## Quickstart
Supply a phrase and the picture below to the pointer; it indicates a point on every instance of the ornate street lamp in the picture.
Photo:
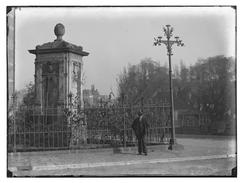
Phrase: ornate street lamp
(168, 33)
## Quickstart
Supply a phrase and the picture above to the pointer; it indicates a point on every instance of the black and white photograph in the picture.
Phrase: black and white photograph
(121, 91)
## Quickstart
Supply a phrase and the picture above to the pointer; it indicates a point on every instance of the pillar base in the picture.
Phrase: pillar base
(124, 149)
(24, 168)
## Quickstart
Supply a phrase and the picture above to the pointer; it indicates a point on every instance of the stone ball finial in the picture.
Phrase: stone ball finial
(59, 30)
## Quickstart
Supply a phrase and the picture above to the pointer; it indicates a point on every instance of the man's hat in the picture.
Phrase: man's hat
(140, 113)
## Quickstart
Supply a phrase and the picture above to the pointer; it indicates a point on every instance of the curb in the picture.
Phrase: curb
(122, 163)
(90, 150)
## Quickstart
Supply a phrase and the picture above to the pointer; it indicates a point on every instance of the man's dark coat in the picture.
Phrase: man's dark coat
(140, 126)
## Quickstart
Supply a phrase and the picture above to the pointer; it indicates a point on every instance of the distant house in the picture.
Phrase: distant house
(92, 98)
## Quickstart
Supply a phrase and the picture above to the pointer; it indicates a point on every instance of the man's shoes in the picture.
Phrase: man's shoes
(145, 154)
(139, 153)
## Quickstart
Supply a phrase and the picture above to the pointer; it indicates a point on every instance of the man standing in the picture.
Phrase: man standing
(140, 127)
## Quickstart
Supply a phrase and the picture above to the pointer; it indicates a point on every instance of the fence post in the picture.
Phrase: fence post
(26, 116)
(124, 124)
(14, 135)
(14, 97)
(142, 99)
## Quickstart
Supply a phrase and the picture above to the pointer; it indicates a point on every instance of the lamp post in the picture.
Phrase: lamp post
(168, 33)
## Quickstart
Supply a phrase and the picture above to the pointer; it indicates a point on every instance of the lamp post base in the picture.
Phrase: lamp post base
(175, 146)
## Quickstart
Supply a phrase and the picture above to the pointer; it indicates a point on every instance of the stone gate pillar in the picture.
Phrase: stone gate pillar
(58, 72)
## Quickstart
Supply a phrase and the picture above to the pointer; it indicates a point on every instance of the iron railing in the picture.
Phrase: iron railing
(35, 128)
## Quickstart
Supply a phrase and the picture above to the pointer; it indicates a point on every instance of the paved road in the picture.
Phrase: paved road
(214, 167)
(193, 147)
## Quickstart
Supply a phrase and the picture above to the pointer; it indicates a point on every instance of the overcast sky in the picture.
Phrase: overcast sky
(115, 37)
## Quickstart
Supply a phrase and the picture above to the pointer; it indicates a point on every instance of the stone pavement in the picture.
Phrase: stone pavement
(194, 149)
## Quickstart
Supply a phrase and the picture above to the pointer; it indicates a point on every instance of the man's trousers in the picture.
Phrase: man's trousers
(141, 145)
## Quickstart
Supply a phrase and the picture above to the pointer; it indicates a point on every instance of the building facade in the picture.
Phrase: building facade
(11, 53)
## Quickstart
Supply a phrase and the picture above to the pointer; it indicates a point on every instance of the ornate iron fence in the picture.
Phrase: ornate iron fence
(34, 128)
